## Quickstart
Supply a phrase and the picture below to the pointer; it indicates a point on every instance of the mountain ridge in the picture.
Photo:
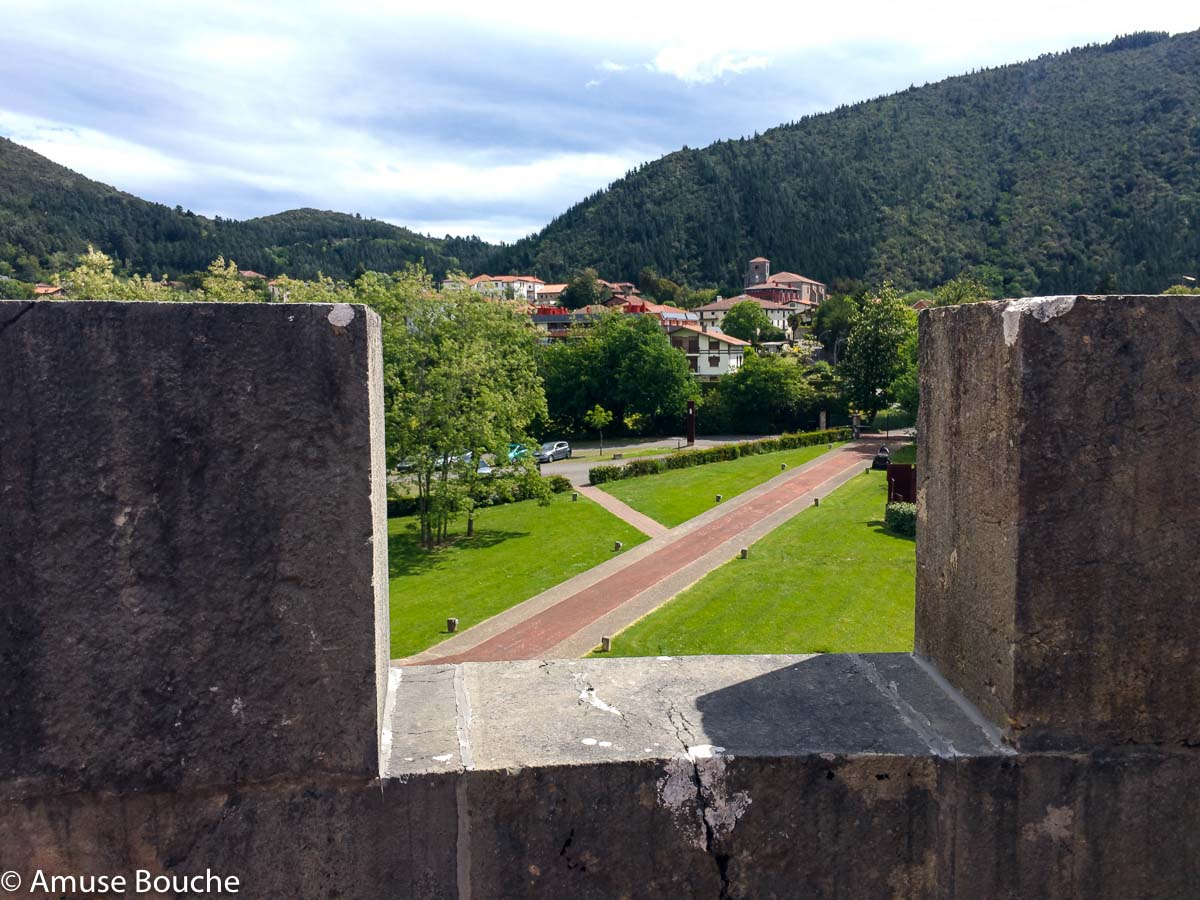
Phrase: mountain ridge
(1077, 170)
(49, 214)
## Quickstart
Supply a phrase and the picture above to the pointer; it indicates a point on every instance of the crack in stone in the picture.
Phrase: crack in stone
(13, 321)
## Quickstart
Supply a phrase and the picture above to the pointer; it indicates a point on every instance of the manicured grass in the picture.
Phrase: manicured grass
(906, 454)
(625, 454)
(680, 494)
(518, 550)
(830, 580)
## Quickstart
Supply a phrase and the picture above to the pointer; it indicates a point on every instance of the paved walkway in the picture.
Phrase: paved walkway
(622, 510)
(569, 619)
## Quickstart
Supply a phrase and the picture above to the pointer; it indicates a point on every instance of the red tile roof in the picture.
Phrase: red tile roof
(792, 276)
(730, 302)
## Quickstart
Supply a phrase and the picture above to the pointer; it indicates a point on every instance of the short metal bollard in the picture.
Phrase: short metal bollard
(744, 553)
(782, 466)
(574, 496)
(617, 545)
(718, 498)
(816, 501)
(452, 625)
(605, 644)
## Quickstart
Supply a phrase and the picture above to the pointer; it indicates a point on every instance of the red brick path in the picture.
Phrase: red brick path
(533, 637)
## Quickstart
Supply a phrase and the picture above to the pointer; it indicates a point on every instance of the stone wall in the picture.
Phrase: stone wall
(194, 620)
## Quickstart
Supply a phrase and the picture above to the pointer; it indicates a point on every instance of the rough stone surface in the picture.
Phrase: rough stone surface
(1057, 567)
(857, 776)
(310, 839)
(186, 498)
(187, 575)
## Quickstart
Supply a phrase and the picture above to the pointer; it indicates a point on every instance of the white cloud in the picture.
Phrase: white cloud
(609, 66)
(693, 65)
(592, 83)
(101, 156)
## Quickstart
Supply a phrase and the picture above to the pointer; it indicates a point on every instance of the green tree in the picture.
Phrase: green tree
(747, 321)
(906, 386)
(624, 363)
(598, 418)
(873, 358)
(223, 284)
(831, 324)
(584, 290)
(962, 289)
(768, 394)
(460, 378)
(93, 279)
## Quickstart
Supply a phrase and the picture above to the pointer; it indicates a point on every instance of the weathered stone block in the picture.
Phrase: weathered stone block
(310, 839)
(193, 567)
(1057, 569)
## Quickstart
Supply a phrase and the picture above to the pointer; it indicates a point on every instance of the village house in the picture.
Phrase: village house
(710, 354)
(557, 322)
(510, 287)
(713, 314)
(666, 315)
(550, 294)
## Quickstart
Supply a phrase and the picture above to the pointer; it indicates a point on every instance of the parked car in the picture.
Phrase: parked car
(882, 458)
(552, 450)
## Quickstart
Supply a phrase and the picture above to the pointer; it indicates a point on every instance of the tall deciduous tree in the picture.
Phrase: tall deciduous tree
(584, 289)
(93, 279)
(831, 324)
(767, 394)
(747, 321)
(626, 364)
(460, 381)
(873, 355)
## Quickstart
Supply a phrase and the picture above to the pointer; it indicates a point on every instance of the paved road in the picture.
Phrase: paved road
(568, 619)
(576, 468)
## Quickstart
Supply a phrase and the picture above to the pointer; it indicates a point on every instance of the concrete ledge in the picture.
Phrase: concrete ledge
(572, 712)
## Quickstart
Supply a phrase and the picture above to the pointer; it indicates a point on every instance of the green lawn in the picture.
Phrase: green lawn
(906, 454)
(830, 580)
(519, 550)
(680, 494)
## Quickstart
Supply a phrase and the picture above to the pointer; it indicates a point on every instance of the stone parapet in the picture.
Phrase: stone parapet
(193, 567)
(1058, 517)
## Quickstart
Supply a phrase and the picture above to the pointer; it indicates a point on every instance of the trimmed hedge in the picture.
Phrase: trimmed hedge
(720, 453)
(901, 518)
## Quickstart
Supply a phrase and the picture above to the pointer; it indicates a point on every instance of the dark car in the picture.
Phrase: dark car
(882, 458)
(552, 450)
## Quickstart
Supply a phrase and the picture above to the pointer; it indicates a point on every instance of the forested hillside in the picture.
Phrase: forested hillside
(49, 214)
(1077, 171)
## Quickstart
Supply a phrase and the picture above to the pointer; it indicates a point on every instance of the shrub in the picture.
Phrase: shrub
(641, 467)
(720, 453)
(601, 474)
(901, 518)
(559, 484)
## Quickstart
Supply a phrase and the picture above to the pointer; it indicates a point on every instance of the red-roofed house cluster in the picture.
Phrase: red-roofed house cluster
(697, 333)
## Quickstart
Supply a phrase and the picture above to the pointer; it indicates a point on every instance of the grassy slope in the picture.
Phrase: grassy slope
(518, 550)
(829, 580)
(677, 496)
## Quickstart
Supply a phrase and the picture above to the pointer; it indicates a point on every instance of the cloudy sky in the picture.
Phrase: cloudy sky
(486, 118)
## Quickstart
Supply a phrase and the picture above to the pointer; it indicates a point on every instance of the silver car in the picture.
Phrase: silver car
(552, 450)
